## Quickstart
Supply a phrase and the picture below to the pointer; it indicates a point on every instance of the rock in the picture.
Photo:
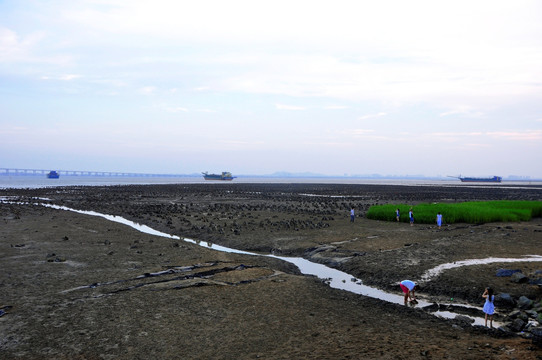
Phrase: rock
(506, 272)
(519, 278)
(517, 314)
(532, 314)
(464, 319)
(525, 303)
(517, 325)
(319, 249)
(537, 336)
(505, 300)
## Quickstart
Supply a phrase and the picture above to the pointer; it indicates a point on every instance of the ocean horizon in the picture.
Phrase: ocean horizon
(22, 181)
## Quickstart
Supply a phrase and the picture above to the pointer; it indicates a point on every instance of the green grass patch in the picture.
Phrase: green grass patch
(472, 212)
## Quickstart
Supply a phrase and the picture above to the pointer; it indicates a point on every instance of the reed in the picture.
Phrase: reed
(473, 212)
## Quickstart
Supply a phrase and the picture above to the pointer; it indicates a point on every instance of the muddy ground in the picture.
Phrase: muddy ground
(76, 286)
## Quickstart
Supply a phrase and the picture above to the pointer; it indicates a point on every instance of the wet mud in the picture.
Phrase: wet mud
(76, 286)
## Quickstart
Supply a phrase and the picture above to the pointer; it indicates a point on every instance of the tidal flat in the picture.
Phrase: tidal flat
(77, 286)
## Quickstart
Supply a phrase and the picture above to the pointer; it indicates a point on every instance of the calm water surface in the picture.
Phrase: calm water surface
(32, 182)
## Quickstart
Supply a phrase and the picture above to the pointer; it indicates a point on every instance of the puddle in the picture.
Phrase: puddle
(335, 278)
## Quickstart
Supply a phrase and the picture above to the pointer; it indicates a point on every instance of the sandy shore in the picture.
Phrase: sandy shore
(79, 286)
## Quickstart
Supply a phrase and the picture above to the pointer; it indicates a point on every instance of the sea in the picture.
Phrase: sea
(32, 182)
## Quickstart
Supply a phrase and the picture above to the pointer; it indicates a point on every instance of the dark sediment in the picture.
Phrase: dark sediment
(79, 286)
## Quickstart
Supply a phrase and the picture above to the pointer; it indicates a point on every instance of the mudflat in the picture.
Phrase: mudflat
(76, 286)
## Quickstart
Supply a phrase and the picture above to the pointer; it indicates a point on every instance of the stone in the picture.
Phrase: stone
(537, 336)
(519, 278)
(505, 300)
(506, 272)
(514, 314)
(525, 303)
(517, 325)
(464, 319)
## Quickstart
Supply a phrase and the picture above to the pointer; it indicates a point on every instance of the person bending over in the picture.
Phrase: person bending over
(409, 288)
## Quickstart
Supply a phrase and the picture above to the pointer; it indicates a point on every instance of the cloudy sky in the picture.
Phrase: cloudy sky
(254, 87)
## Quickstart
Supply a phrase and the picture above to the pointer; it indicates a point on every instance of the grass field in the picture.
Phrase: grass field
(473, 212)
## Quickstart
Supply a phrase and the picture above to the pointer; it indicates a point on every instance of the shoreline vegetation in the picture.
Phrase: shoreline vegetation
(470, 212)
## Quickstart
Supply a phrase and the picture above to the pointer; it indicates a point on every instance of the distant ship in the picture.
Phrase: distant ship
(226, 175)
(493, 179)
(53, 175)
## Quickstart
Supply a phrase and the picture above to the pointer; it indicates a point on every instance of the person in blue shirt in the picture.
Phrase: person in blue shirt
(352, 216)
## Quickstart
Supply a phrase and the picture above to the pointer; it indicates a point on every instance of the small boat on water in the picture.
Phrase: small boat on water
(493, 179)
(226, 175)
(53, 175)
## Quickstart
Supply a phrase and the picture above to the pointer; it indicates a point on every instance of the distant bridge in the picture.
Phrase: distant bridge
(43, 172)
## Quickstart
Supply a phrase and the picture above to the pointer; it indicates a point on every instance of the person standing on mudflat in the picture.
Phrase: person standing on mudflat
(411, 216)
(439, 220)
(489, 306)
(352, 215)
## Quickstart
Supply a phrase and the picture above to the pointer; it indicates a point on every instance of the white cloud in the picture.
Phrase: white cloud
(177, 109)
(372, 116)
(528, 135)
(463, 111)
(65, 77)
(288, 107)
(148, 90)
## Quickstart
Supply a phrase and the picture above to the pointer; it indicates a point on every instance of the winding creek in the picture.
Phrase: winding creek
(333, 277)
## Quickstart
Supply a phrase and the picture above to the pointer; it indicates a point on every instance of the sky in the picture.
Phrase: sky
(431, 88)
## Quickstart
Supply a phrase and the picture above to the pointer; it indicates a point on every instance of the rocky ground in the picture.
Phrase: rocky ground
(79, 286)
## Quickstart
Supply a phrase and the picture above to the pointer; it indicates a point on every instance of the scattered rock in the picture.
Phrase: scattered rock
(537, 336)
(525, 303)
(517, 325)
(464, 319)
(504, 300)
(507, 272)
(54, 258)
(519, 278)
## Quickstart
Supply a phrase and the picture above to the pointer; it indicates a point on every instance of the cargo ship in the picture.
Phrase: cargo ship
(493, 179)
(53, 175)
(226, 175)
